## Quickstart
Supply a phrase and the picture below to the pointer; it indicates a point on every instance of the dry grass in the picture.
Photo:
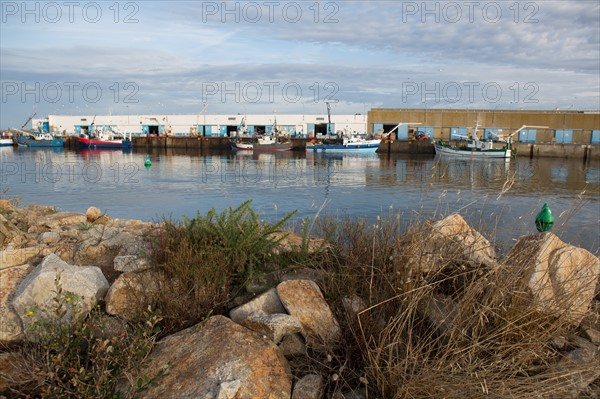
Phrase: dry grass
(452, 331)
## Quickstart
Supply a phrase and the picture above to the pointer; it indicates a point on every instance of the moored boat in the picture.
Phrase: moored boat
(476, 148)
(104, 138)
(263, 143)
(39, 140)
(352, 143)
(6, 139)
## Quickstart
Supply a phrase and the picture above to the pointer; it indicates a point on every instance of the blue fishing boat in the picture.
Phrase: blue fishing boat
(39, 140)
(352, 143)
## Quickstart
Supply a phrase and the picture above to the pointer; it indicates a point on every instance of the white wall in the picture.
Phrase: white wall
(181, 124)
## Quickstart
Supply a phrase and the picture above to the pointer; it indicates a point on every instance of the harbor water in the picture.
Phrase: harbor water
(500, 198)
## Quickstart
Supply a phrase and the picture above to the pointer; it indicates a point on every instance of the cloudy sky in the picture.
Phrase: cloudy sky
(152, 57)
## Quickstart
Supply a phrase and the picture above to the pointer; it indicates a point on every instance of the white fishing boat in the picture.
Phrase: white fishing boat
(473, 147)
(276, 141)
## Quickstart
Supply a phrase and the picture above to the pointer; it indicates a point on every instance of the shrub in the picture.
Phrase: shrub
(83, 359)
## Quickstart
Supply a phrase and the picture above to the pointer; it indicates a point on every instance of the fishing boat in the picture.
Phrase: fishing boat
(6, 139)
(104, 138)
(261, 143)
(349, 143)
(476, 148)
(39, 139)
(276, 141)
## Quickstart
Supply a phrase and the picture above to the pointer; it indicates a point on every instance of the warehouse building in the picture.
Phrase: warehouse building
(207, 125)
(560, 126)
(579, 127)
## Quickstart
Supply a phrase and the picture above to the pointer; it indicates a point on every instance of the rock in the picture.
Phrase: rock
(593, 334)
(218, 359)
(308, 387)
(104, 219)
(561, 279)
(9, 233)
(576, 371)
(20, 256)
(452, 239)
(92, 213)
(11, 328)
(273, 326)
(441, 311)
(293, 345)
(303, 300)
(131, 293)
(84, 284)
(353, 306)
(56, 220)
(267, 302)
(24, 218)
(49, 237)
(130, 263)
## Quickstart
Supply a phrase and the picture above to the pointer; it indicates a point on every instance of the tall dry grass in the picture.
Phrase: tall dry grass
(434, 326)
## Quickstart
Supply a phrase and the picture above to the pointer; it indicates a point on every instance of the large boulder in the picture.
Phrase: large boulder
(560, 278)
(453, 240)
(303, 300)
(218, 359)
(131, 293)
(81, 286)
(273, 326)
(11, 328)
(267, 302)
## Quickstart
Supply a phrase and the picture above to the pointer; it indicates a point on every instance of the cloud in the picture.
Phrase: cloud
(377, 53)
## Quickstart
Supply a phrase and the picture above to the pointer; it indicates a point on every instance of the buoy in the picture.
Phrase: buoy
(544, 220)
(147, 162)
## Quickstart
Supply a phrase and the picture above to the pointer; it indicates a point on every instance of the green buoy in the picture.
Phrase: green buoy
(147, 162)
(544, 220)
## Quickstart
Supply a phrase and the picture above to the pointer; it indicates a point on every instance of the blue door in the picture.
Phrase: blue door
(310, 129)
(527, 135)
(377, 128)
(595, 137)
(458, 133)
(250, 130)
(563, 136)
(402, 132)
(223, 130)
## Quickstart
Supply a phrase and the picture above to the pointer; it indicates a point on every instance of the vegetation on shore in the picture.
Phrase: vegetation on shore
(489, 342)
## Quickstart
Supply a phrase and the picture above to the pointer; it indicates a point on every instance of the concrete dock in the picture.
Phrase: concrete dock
(584, 152)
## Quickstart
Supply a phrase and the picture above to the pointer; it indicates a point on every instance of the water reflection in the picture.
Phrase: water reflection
(492, 194)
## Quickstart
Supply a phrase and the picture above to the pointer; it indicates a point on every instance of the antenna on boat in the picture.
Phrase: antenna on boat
(328, 119)
(28, 119)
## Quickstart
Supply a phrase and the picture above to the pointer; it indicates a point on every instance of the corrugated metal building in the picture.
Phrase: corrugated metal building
(582, 127)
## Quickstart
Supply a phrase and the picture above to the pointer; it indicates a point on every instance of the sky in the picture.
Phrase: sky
(263, 57)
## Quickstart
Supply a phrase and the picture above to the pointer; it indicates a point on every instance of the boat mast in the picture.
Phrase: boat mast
(328, 119)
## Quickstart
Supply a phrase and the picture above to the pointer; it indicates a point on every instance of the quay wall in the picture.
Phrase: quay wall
(531, 150)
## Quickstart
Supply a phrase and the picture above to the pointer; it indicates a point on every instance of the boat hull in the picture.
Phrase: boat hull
(30, 142)
(365, 147)
(473, 153)
(261, 147)
(6, 142)
(91, 143)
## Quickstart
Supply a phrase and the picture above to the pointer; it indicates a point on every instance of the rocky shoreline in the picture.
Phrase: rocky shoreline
(252, 352)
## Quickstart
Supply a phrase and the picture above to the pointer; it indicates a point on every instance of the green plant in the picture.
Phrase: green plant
(244, 240)
(85, 226)
(82, 358)
(207, 259)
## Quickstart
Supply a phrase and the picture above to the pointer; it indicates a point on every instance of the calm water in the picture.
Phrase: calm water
(491, 194)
